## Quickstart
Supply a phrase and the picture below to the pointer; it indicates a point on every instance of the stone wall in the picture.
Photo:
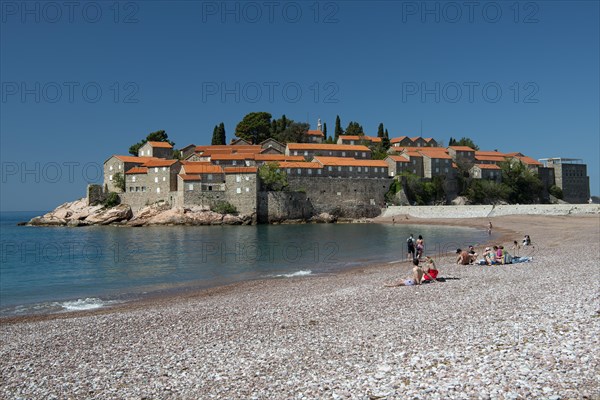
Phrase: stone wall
(139, 200)
(95, 194)
(242, 191)
(485, 211)
(349, 198)
(280, 206)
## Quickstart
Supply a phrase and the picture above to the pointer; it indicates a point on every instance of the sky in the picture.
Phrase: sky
(82, 81)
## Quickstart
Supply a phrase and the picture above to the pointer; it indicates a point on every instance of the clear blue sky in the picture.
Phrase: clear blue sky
(185, 66)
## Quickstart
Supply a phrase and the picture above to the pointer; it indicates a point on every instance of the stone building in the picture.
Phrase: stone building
(397, 164)
(570, 174)
(358, 139)
(310, 150)
(344, 167)
(241, 188)
(272, 146)
(119, 164)
(156, 149)
(486, 171)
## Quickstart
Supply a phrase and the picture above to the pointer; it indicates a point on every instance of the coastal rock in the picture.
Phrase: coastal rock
(323, 218)
(459, 201)
(122, 212)
(47, 220)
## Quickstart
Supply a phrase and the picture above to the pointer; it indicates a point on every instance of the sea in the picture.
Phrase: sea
(60, 269)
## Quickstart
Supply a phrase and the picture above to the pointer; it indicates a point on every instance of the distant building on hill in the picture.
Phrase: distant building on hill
(570, 174)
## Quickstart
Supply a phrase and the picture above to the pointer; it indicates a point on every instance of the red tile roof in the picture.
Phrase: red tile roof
(428, 152)
(487, 166)
(461, 148)
(277, 157)
(188, 177)
(240, 170)
(133, 159)
(137, 170)
(528, 160)
(490, 158)
(163, 145)
(314, 133)
(328, 147)
(398, 139)
(398, 158)
(292, 164)
(158, 162)
(232, 156)
(197, 168)
(347, 161)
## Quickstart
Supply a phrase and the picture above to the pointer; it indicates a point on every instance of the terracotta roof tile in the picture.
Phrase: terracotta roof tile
(234, 156)
(328, 147)
(188, 177)
(398, 158)
(297, 164)
(488, 166)
(461, 148)
(137, 170)
(158, 162)
(277, 157)
(163, 145)
(398, 139)
(240, 170)
(347, 161)
(314, 133)
(197, 168)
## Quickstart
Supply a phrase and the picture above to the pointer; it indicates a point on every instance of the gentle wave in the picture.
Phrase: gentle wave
(295, 274)
(89, 303)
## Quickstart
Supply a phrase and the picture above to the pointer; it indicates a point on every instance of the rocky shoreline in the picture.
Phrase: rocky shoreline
(78, 214)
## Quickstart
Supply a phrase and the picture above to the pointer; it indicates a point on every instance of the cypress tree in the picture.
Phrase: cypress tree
(215, 136)
(222, 135)
(338, 129)
(380, 132)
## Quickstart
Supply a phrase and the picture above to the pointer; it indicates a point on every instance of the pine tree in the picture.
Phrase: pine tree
(325, 130)
(338, 129)
(380, 132)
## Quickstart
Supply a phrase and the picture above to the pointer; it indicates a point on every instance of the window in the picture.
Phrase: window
(414, 171)
(131, 188)
(339, 169)
(288, 170)
(305, 152)
(437, 170)
(299, 171)
(247, 178)
(156, 170)
(359, 169)
(111, 168)
(238, 190)
(209, 177)
(366, 169)
(119, 166)
(156, 179)
(133, 179)
(376, 169)
(343, 154)
(329, 168)
(310, 171)
(191, 186)
(319, 171)
(349, 168)
(295, 152)
(364, 154)
(446, 170)
(158, 190)
(143, 188)
(110, 177)
(414, 161)
(164, 169)
(141, 153)
(234, 162)
(247, 190)
(238, 178)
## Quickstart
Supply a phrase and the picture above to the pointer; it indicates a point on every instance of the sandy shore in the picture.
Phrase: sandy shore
(517, 331)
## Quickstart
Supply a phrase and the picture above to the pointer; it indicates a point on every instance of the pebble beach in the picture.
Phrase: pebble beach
(520, 331)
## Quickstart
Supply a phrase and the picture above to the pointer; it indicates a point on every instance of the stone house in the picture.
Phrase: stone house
(272, 146)
(570, 175)
(162, 175)
(310, 150)
(260, 159)
(187, 151)
(486, 171)
(402, 141)
(209, 177)
(239, 142)
(344, 167)
(489, 157)
(119, 164)
(315, 136)
(358, 139)
(301, 168)
(397, 164)
(156, 149)
(136, 179)
(462, 154)
(436, 162)
(233, 160)
(241, 188)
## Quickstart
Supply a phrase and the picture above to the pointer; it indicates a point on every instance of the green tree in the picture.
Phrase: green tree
(223, 207)
(254, 127)
(215, 136)
(119, 180)
(111, 200)
(556, 192)
(324, 130)
(338, 129)
(219, 137)
(158, 136)
(464, 141)
(354, 128)
(380, 131)
(272, 177)
(296, 132)
(525, 186)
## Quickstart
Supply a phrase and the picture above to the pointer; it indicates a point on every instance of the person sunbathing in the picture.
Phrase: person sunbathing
(417, 277)
(430, 272)
(463, 257)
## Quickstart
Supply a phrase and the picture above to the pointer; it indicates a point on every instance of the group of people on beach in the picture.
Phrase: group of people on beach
(493, 255)
(427, 271)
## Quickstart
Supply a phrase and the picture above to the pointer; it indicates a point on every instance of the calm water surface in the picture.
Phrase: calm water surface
(51, 269)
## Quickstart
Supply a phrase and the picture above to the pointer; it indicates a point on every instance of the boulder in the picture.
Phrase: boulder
(122, 212)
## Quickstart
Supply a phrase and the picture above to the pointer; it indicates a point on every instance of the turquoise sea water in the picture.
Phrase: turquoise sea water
(53, 269)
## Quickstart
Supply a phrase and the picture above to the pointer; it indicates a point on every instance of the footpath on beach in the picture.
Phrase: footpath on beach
(488, 211)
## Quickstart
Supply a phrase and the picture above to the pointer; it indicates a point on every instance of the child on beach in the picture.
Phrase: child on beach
(417, 277)
(420, 247)
(515, 248)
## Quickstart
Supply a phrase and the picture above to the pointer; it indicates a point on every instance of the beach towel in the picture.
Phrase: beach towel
(517, 260)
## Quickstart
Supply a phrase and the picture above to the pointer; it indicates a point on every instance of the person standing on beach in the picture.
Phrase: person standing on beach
(489, 227)
(420, 247)
(410, 243)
